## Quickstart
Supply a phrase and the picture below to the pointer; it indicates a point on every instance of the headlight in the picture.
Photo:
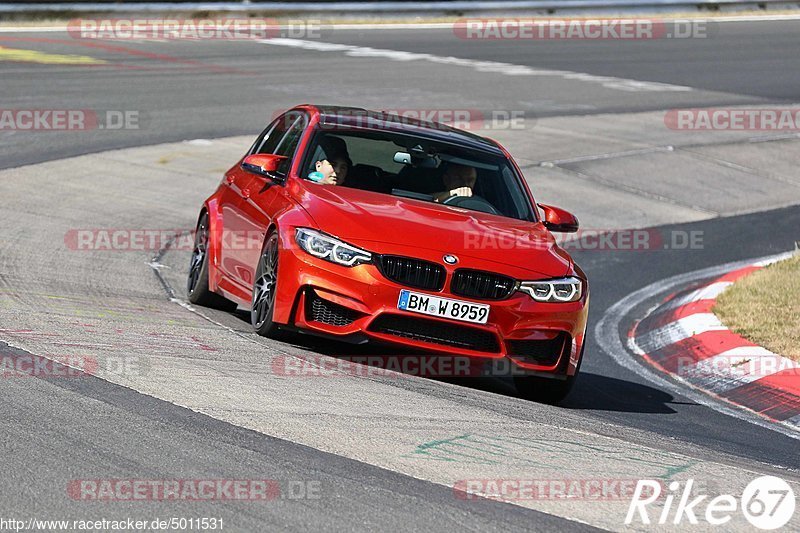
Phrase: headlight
(331, 249)
(553, 290)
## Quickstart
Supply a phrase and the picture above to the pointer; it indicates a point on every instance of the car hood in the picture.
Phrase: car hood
(373, 220)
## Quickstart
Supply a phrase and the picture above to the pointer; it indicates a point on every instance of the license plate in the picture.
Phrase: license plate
(427, 304)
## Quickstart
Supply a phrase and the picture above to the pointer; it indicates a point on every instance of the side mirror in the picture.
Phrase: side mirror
(557, 219)
(263, 165)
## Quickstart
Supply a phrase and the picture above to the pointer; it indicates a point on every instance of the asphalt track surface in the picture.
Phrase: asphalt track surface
(212, 89)
(57, 430)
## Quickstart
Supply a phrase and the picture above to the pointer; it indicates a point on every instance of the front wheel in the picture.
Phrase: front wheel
(265, 286)
(547, 390)
(543, 390)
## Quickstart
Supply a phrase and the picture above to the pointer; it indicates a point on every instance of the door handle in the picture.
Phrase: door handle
(245, 193)
(230, 179)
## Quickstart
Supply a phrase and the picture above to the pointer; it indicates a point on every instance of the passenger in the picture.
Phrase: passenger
(458, 180)
(334, 168)
(324, 173)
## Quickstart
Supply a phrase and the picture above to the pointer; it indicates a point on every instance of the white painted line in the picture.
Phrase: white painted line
(495, 67)
(607, 333)
(608, 155)
(766, 262)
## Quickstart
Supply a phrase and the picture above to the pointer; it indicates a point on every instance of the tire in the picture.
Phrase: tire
(197, 281)
(547, 390)
(262, 308)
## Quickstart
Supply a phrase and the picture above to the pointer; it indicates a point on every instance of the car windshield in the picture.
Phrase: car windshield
(417, 167)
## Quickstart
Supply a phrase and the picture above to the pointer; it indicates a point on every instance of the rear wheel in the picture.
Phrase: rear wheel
(197, 282)
(264, 289)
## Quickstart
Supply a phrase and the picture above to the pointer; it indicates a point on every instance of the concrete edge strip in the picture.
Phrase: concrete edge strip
(683, 338)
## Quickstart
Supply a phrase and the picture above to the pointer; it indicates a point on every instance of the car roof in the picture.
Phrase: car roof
(364, 119)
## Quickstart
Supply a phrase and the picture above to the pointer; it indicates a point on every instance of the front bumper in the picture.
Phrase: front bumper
(359, 302)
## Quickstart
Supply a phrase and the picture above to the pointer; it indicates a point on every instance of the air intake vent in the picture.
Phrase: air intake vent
(420, 329)
(539, 352)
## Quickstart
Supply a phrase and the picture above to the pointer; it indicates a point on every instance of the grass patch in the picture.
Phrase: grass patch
(764, 307)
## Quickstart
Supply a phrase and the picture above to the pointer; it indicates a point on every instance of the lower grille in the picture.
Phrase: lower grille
(538, 352)
(413, 272)
(424, 330)
(321, 310)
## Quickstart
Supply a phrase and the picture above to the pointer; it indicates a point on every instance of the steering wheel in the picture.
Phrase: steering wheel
(474, 202)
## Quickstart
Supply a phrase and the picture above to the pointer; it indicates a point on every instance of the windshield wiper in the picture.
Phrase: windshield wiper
(413, 195)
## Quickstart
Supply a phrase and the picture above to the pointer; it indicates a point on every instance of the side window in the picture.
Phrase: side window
(273, 137)
(288, 144)
(260, 139)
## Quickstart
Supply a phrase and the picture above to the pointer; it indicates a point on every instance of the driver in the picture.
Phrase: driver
(458, 180)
